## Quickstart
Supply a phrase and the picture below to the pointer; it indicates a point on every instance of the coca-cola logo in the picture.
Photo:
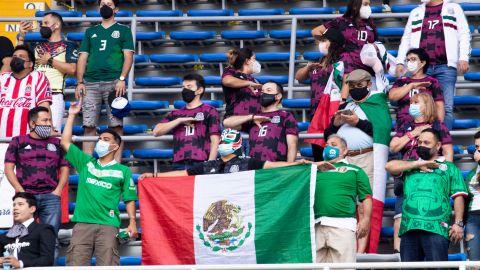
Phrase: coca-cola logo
(21, 102)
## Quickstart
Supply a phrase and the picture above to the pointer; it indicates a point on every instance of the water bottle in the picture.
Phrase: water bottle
(6, 266)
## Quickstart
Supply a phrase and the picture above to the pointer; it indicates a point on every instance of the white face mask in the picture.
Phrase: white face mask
(425, 1)
(256, 67)
(412, 66)
(322, 48)
(365, 12)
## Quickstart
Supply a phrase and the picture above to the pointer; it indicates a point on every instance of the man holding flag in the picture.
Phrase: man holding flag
(365, 123)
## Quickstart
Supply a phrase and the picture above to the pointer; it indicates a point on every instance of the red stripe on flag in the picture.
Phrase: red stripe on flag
(167, 220)
(375, 226)
(321, 119)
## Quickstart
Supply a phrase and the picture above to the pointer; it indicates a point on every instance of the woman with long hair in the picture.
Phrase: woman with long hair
(325, 76)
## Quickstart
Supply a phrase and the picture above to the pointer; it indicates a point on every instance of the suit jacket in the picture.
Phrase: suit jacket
(35, 249)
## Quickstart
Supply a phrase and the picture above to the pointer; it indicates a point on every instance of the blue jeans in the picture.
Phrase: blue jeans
(49, 210)
(472, 236)
(447, 76)
(419, 246)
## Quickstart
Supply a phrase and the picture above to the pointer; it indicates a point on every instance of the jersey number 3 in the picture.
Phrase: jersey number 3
(103, 45)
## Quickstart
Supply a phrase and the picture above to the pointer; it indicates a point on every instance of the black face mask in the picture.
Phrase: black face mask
(359, 93)
(424, 153)
(188, 95)
(267, 99)
(106, 12)
(17, 64)
(45, 32)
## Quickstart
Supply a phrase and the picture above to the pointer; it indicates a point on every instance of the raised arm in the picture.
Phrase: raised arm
(67, 130)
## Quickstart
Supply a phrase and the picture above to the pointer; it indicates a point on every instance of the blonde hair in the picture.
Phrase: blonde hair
(430, 113)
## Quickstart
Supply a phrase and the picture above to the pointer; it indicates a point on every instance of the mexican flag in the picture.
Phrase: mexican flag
(250, 217)
(377, 111)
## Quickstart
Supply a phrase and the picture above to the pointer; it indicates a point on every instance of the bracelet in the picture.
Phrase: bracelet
(80, 83)
(409, 135)
(253, 116)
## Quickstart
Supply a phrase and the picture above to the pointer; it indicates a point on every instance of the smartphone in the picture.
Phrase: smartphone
(34, 26)
(346, 112)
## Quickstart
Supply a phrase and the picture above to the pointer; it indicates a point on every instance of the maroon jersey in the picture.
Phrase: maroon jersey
(241, 101)
(192, 142)
(269, 143)
(433, 38)
(433, 90)
(318, 81)
(355, 38)
(37, 162)
(409, 151)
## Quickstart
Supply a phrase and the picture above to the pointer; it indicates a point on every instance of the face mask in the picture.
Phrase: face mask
(46, 32)
(106, 12)
(365, 12)
(43, 131)
(414, 111)
(17, 64)
(267, 99)
(412, 66)
(102, 148)
(425, 1)
(256, 67)
(358, 94)
(188, 95)
(330, 153)
(225, 149)
(322, 48)
(424, 153)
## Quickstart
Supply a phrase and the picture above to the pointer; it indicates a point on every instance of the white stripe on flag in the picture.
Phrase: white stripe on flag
(238, 189)
(313, 186)
(380, 174)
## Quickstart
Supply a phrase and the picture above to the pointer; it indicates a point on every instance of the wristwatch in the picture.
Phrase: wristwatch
(50, 61)
(459, 223)
(122, 78)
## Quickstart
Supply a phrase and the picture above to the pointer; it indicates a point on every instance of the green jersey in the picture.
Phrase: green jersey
(100, 188)
(426, 204)
(337, 190)
(105, 48)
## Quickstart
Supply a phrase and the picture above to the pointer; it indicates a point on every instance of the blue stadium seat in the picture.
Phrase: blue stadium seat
(153, 153)
(303, 126)
(390, 202)
(125, 154)
(63, 13)
(76, 130)
(141, 58)
(403, 8)
(75, 36)
(157, 81)
(127, 129)
(465, 123)
(149, 104)
(69, 82)
(285, 34)
(192, 35)
(303, 103)
(281, 79)
(472, 76)
(260, 11)
(386, 232)
(311, 10)
(471, 149)
(3, 232)
(306, 152)
(124, 260)
(209, 12)
(149, 36)
(375, 9)
(470, 6)
(475, 52)
(34, 36)
(178, 104)
(243, 34)
(466, 100)
(390, 31)
(274, 56)
(173, 58)
(312, 56)
(213, 80)
(457, 149)
(213, 57)
(159, 13)
(120, 13)
(457, 257)
(393, 52)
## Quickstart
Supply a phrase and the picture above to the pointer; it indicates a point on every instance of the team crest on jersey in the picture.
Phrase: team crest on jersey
(115, 34)
(28, 89)
(276, 119)
(199, 116)
(342, 169)
(51, 147)
(443, 167)
(451, 11)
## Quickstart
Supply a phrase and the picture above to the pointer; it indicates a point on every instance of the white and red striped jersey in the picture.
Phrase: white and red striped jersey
(17, 97)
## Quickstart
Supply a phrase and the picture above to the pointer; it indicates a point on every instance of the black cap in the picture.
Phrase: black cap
(334, 35)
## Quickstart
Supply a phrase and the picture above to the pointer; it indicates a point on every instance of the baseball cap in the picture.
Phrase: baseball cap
(358, 75)
(119, 105)
(333, 34)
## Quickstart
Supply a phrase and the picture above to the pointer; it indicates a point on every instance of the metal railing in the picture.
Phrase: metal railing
(293, 18)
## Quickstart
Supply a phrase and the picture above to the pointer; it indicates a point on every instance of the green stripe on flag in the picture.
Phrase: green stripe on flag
(284, 215)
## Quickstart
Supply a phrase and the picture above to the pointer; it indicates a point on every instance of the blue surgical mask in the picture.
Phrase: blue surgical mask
(414, 111)
(330, 153)
(225, 149)
(101, 148)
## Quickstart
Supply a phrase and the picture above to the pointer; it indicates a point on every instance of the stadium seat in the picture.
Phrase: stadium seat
(120, 13)
(306, 152)
(260, 11)
(274, 56)
(192, 35)
(157, 81)
(76, 130)
(213, 80)
(303, 103)
(243, 34)
(393, 52)
(390, 202)
(34, 36)
(311, 10)
(75, 36)
(213, 57)
(178, 104)
(124, 260)
(470, 6)
(465, 123)
(63, 13)
(149, 36)
(149, 104)
(457, 149)
(386, 232)
(128, 129)
(303, 126)
(173, 58)
(159, 13)
(286, 34)
(457, 257)
(472, 76)
(281, 79)
(390, 31)
(471, 149)
(375, 9)
(466, 100)
(403, 8)
(312, 56)
(152, 153)
(475, 52)
(209, 12)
